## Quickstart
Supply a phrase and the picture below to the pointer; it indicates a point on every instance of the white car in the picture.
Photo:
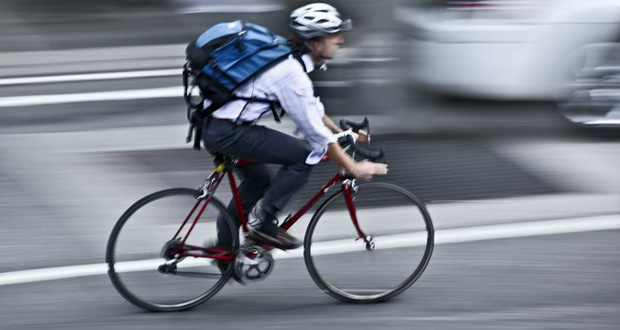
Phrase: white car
(592, 97)
(504, 50)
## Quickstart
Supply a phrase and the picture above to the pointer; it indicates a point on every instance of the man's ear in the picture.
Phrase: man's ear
(312, 43)
(315, 43)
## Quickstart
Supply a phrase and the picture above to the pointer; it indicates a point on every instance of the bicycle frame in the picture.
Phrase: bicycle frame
(225, 170)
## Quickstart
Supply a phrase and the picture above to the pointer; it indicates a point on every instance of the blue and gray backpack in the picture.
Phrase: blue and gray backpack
(222, 59)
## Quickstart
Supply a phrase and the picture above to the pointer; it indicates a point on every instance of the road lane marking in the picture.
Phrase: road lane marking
(48, 274)
(177, 72)
(246, 8)
(611, 121)
(122, 95)
(135, 94)
(132, 94)
(91, 77)
(444, 236)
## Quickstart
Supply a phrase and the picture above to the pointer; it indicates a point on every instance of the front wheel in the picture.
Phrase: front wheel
(397, 246)
(151, 267)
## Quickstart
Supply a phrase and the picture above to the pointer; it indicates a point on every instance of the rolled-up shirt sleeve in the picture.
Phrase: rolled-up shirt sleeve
(297, 98)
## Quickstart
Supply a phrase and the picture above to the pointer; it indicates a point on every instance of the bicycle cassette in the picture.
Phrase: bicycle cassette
(170, 247)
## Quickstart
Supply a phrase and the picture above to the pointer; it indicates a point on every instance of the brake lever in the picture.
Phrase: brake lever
(355, 126)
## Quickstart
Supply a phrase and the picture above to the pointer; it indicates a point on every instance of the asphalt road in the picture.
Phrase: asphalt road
(548, 282)
(69, 170)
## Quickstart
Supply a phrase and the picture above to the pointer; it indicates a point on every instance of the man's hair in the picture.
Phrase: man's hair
(298, 46)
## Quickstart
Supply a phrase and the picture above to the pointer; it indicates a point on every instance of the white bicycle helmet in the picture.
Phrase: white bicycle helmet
(318, 20)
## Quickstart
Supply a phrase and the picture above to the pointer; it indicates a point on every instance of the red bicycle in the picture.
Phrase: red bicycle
(367, 242)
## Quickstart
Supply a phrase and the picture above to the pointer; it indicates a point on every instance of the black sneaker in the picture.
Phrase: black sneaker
(269, 233)
(282, 240)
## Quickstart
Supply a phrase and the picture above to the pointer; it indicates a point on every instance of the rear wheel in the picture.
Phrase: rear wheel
(148, 265)
(398, 248)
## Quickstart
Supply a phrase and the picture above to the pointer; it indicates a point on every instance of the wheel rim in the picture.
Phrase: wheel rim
(134, 253)
(403, 237)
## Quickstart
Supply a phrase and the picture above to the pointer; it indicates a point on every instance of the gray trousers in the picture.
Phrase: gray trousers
(261, 145)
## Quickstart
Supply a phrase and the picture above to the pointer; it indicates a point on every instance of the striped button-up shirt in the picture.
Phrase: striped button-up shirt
(287, 83)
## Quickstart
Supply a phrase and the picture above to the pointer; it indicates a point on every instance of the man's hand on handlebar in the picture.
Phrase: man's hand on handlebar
(356, 132)
(362, 136)
(365, 170)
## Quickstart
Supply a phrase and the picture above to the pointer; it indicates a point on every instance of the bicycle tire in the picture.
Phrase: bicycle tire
(342, 253)
(117, 240)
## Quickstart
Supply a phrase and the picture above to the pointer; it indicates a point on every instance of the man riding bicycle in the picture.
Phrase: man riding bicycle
(317, 35)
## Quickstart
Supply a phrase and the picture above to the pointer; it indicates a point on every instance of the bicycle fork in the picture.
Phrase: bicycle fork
(350, 191)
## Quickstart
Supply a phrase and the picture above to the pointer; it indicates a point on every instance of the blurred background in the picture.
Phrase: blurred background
(492, 112)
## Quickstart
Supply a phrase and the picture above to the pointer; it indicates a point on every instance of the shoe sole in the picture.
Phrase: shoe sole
(266, 239)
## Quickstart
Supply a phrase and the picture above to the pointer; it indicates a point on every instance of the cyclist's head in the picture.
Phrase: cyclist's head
(320, 27)
(318, 20)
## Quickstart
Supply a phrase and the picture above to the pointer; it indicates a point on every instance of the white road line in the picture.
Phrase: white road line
(47, 274)
(231, 9)
(445, 236)
(135, 94)
(604, 122)
(91, 77)
(78, 77)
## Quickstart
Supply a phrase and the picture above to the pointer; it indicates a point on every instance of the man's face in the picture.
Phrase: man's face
(328, 45)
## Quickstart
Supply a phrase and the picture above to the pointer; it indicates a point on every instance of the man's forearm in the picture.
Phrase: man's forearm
(340, 158)
(331, 125)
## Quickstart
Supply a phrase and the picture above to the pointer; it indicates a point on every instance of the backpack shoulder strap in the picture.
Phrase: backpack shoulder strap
(298, 56)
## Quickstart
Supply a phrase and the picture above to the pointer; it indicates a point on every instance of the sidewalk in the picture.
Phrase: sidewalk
(36, 25)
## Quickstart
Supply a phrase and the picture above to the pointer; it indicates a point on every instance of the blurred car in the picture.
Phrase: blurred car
(504, 49)
(592, 95)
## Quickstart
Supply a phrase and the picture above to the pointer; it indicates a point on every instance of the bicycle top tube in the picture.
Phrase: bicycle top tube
(223, 161)
(242, 161)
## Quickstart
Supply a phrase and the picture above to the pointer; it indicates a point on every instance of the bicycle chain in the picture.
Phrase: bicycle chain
(195, 274)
